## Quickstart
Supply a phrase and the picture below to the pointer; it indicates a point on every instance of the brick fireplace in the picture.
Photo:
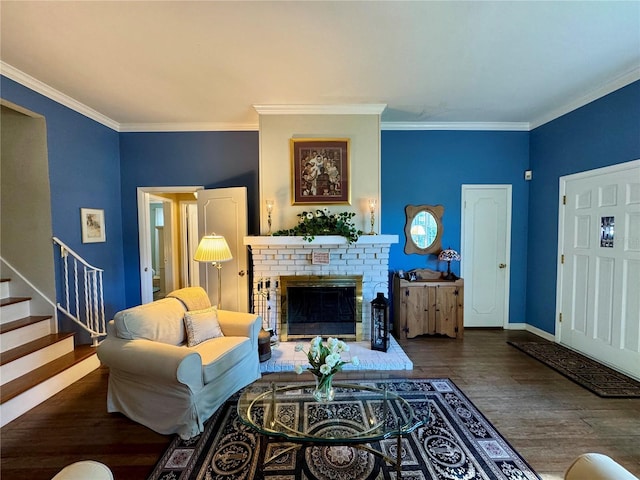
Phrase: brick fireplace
(276, 260)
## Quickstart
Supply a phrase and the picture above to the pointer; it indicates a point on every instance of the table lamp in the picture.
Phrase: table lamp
(448, 255)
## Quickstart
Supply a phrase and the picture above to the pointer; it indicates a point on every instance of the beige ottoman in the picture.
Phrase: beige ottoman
(85, 470)
(595, 466)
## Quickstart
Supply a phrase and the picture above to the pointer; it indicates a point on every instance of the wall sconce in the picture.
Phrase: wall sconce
(214, 249)
(372, 209)
(270, 204)
(380, 323)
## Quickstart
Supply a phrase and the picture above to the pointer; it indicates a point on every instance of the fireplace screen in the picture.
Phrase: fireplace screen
(330, 310)
(321, 306)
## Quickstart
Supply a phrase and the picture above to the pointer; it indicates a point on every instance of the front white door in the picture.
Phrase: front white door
(599, 281)
(223, 211)
(486, 239)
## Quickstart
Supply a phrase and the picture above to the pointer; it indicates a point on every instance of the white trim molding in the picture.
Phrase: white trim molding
(189, 127)
(609, 87)
(55, 95)
(499, 126)
(347, 109)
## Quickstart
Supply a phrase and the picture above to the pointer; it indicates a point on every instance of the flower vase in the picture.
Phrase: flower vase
(324, 391)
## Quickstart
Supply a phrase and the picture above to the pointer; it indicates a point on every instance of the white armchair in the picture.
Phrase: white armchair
(158, 380)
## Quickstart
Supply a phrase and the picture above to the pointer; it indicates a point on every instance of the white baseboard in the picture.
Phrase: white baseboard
(531, 329)
(540, 333)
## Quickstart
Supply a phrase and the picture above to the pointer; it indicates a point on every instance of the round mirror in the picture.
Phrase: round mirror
(423, 228)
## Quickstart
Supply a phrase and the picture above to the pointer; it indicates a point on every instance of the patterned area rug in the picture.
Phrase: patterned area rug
(593, 376)
(457, 443)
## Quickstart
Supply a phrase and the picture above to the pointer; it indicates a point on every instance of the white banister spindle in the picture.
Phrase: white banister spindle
(66, 274)
(103, 326)
(90, 290)
(75, 277)
(94, 304)
(86, 298)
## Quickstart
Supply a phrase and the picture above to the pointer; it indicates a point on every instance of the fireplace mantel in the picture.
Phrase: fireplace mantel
(319, 241)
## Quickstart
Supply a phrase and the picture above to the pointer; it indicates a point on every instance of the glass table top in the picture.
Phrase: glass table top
(359, 413)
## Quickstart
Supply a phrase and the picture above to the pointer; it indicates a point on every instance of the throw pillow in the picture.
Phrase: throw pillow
(202, 325)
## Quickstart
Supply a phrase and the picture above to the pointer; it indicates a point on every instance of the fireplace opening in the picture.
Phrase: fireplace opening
(330, 310)
(325, 306)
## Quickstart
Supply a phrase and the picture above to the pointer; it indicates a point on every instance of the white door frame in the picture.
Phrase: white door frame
(507, 281)
(190, 270)
(144, 236)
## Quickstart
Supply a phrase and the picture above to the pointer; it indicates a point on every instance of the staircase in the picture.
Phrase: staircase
(36, 361)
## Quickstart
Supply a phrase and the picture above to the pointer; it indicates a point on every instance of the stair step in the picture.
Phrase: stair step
(31, 347)
(20, 385)
(12, 300)
(14, 308)
(4, 287)
(22, 322)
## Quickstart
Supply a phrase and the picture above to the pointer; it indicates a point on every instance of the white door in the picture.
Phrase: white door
(223, 211)
(599, 281)
(485, 252)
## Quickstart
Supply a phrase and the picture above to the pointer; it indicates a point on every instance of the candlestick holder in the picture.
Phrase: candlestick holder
(270, 204)
(372, 209)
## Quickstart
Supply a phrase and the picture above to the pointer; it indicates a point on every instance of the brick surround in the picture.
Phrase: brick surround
(284, 256)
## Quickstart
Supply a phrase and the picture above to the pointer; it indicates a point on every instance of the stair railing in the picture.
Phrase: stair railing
(88, 289)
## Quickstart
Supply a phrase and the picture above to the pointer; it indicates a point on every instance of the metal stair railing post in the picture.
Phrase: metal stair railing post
(92, 294)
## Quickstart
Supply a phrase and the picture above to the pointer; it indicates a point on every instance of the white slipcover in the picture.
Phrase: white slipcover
(173, 388)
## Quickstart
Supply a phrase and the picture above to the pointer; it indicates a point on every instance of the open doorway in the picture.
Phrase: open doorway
(167, 239)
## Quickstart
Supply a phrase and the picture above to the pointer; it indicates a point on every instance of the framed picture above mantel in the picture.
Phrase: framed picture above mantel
(320, 171)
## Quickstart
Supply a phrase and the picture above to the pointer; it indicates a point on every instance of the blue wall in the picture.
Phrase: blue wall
(604, 132)
(84, 169)
(93, 166)
(211, 159)
(430, 167)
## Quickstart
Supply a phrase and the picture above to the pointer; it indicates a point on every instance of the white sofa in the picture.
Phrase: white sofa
(157, 380)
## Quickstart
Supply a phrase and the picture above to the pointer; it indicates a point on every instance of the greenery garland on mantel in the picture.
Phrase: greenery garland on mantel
(323, 222)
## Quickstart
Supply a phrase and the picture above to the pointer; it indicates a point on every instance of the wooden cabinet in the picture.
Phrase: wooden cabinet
(428, 307)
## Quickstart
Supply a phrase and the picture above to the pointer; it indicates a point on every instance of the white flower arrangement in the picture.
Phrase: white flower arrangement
(325, 360)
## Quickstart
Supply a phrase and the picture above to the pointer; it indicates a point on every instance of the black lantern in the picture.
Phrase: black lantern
(380, 323)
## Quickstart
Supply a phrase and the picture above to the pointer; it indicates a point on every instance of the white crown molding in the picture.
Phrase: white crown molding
(609, 87)
(188, 127)
(346, 109)
(50, 92)
(502, 126)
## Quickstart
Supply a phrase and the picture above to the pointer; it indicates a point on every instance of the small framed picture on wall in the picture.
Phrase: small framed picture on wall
(93, 227)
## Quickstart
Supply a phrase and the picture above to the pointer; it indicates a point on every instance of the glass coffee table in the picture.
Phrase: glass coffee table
(358, 415)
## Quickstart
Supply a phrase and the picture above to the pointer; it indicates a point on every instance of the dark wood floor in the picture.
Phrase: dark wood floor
(547, 418)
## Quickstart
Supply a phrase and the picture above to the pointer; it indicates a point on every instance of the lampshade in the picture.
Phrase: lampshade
(449, 255)
(213, 249)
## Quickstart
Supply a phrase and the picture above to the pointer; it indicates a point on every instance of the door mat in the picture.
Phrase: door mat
(458, 442)
(598, 378)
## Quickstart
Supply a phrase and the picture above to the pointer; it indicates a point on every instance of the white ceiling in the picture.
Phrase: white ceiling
(205, 64)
